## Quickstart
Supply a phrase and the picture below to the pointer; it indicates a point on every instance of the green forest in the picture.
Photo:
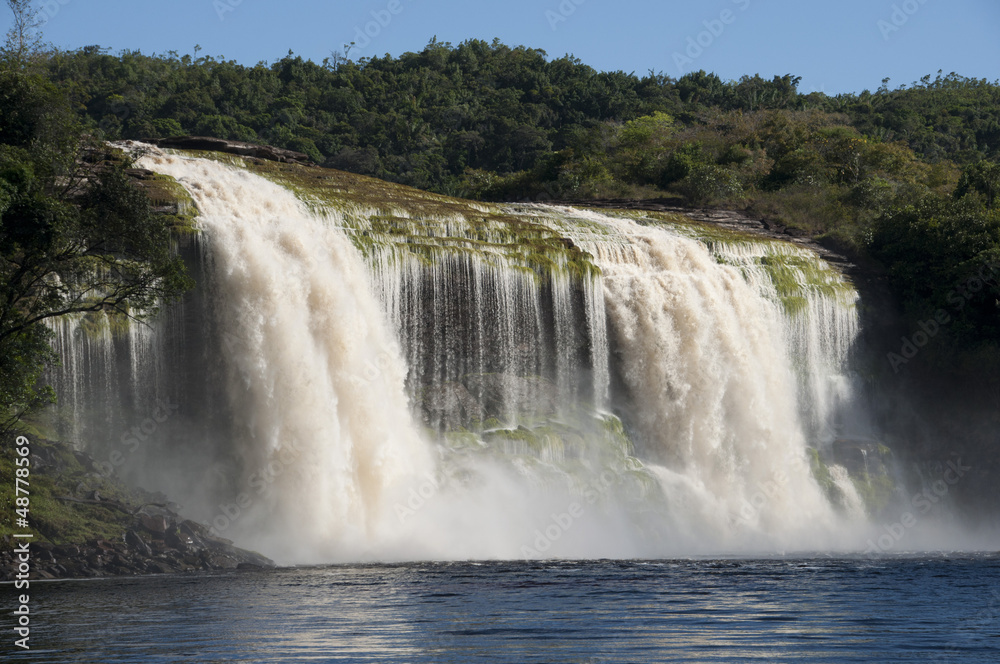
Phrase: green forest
(905, 179)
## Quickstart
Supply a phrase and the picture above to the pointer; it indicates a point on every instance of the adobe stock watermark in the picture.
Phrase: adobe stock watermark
(714, 28)
(418, 497)
(958, 297)
(375, 371)
(562, 13)
(48, 9)
(922, 503)
(382, 18)
(901, 13)
(763, 494)
(223, 7)
(560, 523)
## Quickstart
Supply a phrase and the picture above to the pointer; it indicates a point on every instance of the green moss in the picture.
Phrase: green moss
(709, 234)
(461, 439)
(97, 324)
(171, 199)
(795, 273)
(821, 472)
(616, 437)
(397, 222)
(875, 490)
(55, 520)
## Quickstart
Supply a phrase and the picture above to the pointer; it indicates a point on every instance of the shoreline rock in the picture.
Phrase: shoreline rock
(154, 539)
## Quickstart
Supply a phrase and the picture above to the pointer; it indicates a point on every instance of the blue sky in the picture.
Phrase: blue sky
(834, 45)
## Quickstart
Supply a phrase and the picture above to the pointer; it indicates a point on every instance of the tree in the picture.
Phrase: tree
(944, 254)
(982, 177)
(24, 39)
(74, 238)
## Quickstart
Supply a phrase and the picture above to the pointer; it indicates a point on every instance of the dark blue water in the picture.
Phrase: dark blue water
(944, 609)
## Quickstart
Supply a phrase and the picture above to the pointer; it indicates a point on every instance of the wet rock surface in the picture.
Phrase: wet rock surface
(267, 152)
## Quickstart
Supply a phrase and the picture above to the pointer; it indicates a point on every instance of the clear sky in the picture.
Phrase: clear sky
(834, 45)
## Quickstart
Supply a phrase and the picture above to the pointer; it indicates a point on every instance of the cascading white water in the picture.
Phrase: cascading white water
(514, 373)
(707, 365)
(820, 327)
(315, 378)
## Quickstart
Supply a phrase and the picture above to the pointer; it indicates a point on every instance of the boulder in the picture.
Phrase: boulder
(180, 542)
(155, 524)
(159, 567)
(220, 561)
(138, 544)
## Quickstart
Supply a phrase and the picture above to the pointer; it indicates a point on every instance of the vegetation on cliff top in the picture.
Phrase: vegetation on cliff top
(486, 121)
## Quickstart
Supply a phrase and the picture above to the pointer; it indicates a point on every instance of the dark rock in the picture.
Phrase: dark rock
(159, 567)
(219, 561)
(138, 544)
(160, 548)
(140, 173)
(104, 545)
(194, 529)
(155, 524)
(232, 147)
(85, 460)
(73, 569)
(158, 541)
(159, 509)
(502, 393)
(254, 558)
(859, 456)
(212, 539)
(179, 542)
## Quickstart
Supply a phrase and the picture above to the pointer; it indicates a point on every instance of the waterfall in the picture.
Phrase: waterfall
(820, 327)
(706, 357)
(488, 381)
(313, 372)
